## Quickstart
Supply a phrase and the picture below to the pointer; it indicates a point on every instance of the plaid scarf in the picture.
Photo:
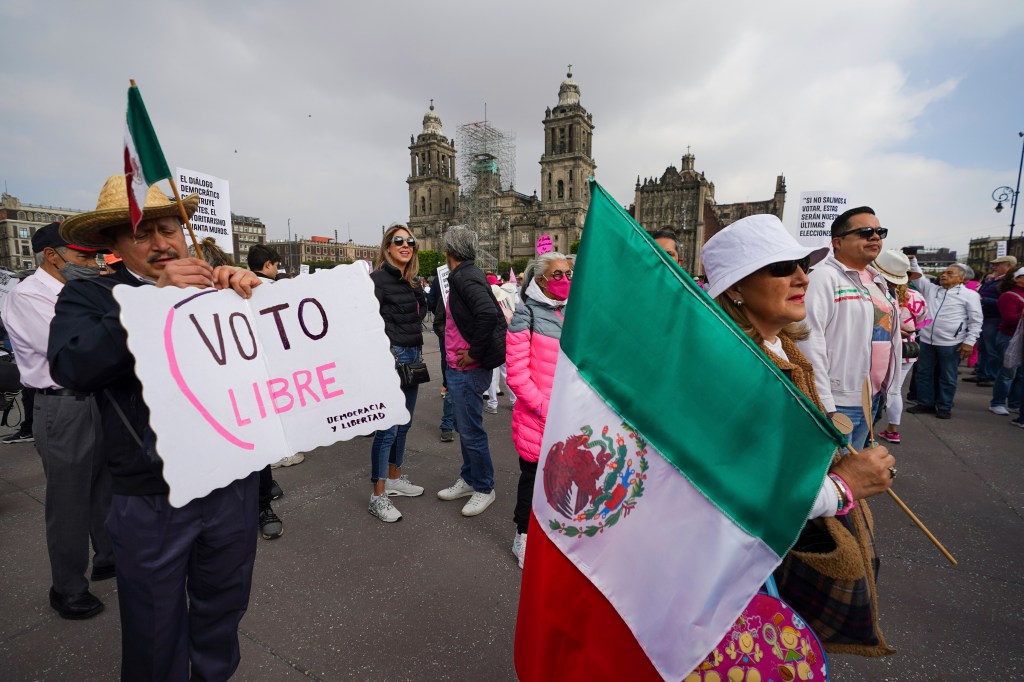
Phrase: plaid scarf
(829, 575)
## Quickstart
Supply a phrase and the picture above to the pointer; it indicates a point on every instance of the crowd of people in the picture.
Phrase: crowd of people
(845, 325)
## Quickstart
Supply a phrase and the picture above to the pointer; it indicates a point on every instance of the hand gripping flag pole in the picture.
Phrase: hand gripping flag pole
(144, 163)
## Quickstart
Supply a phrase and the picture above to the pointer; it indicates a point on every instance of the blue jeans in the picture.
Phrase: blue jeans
(466, 387)
(990, 358)
(859, 436)
(1009, 383)
(946, 359)
(448, 407)
(389, 444)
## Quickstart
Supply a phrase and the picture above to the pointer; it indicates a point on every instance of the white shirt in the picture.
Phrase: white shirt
(27, 312)
(828, 498)
(956, 313)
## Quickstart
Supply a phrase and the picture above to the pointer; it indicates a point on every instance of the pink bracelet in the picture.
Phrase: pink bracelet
(850, 502)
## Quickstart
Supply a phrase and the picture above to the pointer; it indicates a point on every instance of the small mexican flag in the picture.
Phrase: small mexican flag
(677, 468)
(144, 162)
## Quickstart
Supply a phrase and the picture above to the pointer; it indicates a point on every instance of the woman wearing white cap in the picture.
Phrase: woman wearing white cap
(894, 266)
(757, 273)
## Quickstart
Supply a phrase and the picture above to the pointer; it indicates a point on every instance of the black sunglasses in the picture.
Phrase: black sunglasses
(786, 268)
(866, 232)
(558, 274)
(398, 241)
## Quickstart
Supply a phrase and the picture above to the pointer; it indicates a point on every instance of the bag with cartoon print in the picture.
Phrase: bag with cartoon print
(769, 642)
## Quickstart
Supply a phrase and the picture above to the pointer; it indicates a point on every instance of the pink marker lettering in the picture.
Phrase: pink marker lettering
(302, 379)
(280, 392)
(234, 406)
(327, 381)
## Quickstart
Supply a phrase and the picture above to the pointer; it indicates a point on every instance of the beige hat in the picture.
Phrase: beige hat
(748, 245)
(1012, 260)
(87, 229)
(895, 267)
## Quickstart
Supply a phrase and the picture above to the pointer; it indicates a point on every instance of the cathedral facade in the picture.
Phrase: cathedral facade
(509, 223)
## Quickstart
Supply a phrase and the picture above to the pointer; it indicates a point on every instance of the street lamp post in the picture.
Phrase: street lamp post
(1001, 194)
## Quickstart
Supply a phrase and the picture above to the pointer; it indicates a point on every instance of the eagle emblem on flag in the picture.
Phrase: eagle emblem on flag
(594, 482)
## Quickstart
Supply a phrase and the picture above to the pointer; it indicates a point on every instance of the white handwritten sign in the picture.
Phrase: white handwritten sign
(213, 217)
(234, 384)
(817, 211)
(442, 279)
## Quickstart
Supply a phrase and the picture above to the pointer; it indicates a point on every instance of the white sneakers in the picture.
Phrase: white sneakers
(297, 458)
(402, 486)
(519, 548)
(458, 489)
(477, 503)
(999, 409)
(384, 510)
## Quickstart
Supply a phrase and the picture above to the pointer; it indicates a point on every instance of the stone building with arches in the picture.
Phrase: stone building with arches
(681, 201)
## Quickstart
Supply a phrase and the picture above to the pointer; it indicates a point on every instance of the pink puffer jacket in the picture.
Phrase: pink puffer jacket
(531, 354)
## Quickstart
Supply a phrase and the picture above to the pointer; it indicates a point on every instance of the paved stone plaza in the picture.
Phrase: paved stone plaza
(342, 596)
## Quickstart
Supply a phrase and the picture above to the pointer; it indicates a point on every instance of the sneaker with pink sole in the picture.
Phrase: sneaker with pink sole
(890, 436)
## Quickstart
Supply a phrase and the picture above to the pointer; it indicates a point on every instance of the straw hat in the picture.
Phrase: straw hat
(87, 229)
(895, 267)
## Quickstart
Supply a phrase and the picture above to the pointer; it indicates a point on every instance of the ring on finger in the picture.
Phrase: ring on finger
(892, 472)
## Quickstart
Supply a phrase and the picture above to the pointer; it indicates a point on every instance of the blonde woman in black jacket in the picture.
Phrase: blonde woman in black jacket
(403, 307)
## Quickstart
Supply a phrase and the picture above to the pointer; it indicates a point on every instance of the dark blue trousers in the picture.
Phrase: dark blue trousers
(183, 581)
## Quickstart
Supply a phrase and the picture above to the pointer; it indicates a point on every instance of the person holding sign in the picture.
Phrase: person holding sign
(183, 573)
(403, 305)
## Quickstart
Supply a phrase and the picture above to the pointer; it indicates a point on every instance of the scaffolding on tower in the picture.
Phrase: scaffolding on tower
(486, 167)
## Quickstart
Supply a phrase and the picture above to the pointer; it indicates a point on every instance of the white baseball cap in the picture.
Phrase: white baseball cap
(748, 245)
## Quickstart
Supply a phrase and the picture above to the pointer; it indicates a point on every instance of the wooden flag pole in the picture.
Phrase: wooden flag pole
(866, 405)
(181, 206)
(188, 223)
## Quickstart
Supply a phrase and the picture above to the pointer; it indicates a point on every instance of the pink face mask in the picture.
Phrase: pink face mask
(559, 288)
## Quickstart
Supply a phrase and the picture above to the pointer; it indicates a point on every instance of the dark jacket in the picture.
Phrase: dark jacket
(402, 306)
(989, 292)
(435, 303)
(477, 315)
(88, 351)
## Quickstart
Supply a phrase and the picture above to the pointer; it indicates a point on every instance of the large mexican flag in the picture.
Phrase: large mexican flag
(144, 162)
(678, 467)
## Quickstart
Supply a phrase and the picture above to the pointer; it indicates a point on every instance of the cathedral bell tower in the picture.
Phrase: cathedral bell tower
(566, 165)
(433, 184)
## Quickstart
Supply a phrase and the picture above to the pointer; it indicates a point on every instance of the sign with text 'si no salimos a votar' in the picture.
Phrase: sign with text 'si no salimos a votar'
(235, 384)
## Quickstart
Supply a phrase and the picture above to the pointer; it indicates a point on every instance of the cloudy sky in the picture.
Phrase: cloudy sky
(306, 108)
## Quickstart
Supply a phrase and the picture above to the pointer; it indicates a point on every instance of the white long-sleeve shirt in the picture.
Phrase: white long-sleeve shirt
(27, 312)
(956, 312)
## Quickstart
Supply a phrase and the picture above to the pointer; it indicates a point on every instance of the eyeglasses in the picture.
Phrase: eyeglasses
(788, 267)
(866, 232)
(558, 274)
(398, 241)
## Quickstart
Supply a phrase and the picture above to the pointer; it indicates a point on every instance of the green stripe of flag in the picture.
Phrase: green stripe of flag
(147, 146)
(665, 357)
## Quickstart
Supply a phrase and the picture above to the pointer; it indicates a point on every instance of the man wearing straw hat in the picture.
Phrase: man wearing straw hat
(183, 574)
